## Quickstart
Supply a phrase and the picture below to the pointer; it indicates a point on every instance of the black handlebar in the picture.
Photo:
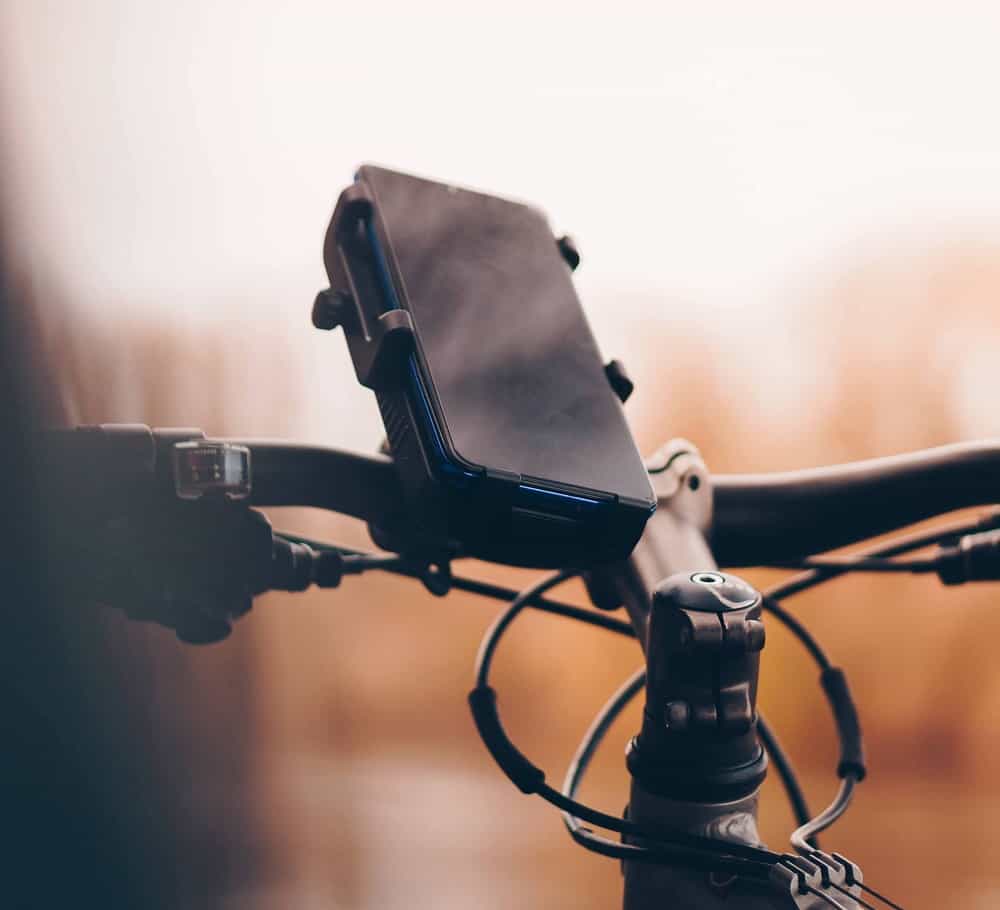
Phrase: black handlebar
(362, 486)
(760, 518)
(757, 518)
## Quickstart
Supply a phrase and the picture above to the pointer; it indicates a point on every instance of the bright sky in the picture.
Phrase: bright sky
(185, 156)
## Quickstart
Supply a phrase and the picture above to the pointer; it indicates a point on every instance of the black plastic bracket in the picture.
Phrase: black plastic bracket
(379, 339)
(619, 379)
(816, 881)
(569, 252)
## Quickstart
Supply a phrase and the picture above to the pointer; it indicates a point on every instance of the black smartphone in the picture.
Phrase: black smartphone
(497, 407)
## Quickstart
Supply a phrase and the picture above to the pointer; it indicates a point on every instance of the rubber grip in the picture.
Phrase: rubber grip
(852, 747)
(527, 777)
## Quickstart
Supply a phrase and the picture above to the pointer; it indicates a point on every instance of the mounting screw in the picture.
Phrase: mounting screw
(676, 715)
(329, 309)
(756, 635)
(567, 247)
(708, 578)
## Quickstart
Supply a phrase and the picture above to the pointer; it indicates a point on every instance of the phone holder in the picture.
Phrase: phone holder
(379, 339)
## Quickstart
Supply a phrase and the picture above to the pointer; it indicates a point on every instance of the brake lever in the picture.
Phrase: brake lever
(158, 525)
(194, 568)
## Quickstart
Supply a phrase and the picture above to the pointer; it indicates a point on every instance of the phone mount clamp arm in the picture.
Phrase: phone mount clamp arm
(378, 341)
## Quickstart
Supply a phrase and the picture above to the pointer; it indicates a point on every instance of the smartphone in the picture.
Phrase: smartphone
(498, 413)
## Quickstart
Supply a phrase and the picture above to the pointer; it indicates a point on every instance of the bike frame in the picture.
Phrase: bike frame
(701, 522)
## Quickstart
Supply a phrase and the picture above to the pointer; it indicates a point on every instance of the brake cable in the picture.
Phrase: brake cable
(530, 779)
(599, 728)
(412, 569)
(678, 847)
(811, 874)
(672, 846)
(897, 546)
(859, 564)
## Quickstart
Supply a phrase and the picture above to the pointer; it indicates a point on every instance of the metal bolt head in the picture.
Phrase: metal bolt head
(708, 578)
(756, 635)
(676, 715)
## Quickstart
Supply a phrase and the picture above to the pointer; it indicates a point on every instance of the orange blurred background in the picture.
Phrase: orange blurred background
(790, 227)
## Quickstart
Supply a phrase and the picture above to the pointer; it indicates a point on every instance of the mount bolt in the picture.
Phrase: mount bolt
(676, 715)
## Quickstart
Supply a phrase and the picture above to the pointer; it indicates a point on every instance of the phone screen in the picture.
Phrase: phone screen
(504, 352)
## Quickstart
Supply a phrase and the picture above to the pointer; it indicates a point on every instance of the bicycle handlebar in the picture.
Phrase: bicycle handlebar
(756, 518)
(774, 517)
(361, 486)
